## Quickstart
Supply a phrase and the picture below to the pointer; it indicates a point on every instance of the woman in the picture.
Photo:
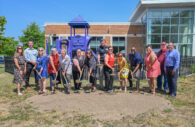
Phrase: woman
(66, 70)
(123, 70)
(19, 68)
(53, 68)
(78, 64)
(90, 62)
(41, 69)
(152, 68)
(109, 69)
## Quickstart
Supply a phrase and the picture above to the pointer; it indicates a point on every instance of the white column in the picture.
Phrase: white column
(50, 36)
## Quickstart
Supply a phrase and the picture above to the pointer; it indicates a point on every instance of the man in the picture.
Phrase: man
(161, 58)
(31, 55)
(135, 60)
(101, 52)
(171, 67)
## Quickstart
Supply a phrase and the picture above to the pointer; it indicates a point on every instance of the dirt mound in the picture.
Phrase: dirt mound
(102, 106)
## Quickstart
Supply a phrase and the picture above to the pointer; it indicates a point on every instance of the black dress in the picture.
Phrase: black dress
(91, 64)
(76, 73)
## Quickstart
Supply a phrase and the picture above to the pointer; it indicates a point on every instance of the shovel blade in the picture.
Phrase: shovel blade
(78, 81)
(55, 81)
(89, 84)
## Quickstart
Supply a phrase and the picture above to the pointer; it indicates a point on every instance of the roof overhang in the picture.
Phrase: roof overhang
(143, 5)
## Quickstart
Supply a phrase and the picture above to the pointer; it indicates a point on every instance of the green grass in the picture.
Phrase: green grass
(2, 68)
(20, 114)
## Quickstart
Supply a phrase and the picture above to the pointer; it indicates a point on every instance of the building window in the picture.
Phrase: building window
(171, 25)
(118, 44)
(95, 43)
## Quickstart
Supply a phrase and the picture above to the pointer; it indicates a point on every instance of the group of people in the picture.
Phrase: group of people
(60, 67)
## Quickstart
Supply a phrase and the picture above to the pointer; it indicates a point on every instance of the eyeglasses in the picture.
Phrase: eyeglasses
(88, 53)
(119, 56)
(110, 49)
(40, 50)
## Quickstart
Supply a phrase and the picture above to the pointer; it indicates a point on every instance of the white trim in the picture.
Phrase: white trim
(94, 23)
(167, 1)
(104, 35)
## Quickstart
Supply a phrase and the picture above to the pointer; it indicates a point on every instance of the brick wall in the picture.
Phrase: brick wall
(135, 42)
(107, 31)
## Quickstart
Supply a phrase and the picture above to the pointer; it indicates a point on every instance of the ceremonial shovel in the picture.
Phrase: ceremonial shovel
(55, 81)
(79, 80)
(68, 84)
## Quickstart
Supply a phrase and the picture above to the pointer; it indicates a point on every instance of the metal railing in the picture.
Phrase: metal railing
(187, 66)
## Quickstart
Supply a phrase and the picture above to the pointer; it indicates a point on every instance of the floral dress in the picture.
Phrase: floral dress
(125, 72)
(18, 78)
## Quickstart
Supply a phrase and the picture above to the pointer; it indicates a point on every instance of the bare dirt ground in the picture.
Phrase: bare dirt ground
(101, 105)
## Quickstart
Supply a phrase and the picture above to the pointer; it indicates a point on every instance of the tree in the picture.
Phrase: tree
(7, 44)
(34, 33)
(3, 21)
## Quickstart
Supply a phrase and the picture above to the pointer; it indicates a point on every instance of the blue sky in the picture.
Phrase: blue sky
(20, 13)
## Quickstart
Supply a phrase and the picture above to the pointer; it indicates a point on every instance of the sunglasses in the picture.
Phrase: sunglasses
(19, 48)
(40, 50)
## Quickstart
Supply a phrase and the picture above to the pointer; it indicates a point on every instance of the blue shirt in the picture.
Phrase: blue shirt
(135, 59)
(30, 54)
(172, 59)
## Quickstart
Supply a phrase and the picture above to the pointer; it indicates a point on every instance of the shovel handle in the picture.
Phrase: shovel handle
(38, 73)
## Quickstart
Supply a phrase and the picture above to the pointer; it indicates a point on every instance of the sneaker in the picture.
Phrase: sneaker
(20, 94)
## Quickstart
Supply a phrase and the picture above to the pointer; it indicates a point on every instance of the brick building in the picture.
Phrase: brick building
(121, 35)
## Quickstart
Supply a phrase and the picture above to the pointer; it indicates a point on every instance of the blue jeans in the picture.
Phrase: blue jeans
(159, 81)
(172, 81)
(52, 76)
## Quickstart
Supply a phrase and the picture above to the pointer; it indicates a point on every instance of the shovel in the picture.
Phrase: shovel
(146, 76)
(88, 84)
(99, 65)
(38, 73)
(67, 85)
(133, 79)
(79, 80)
(55, 81)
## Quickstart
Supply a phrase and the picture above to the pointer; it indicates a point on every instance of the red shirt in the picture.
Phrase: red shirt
(111, 60)
(161, 58)
(55, 61)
